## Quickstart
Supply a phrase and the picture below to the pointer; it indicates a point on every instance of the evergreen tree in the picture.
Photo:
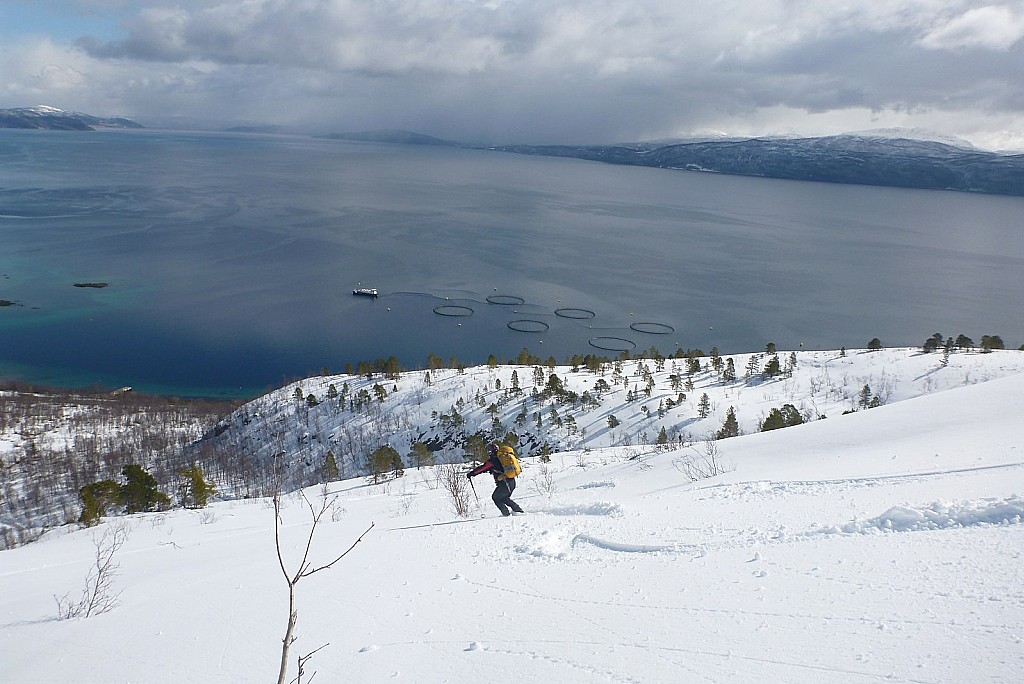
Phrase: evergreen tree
(422, 455)
(790, 365)
(772, 368)
(613, 422)
(753, 364)
(731, 427)
(787, 416)
(476, 448)
(729, 373)
(773, 421)
(662, 436)
(140, 491)
(96, 498)
(769, 348)
(990, 342)
(947, 350)
(331, 471)
(864, 399)
(332, 391)
(545, 453)
(932, 343)
(704, 406)
(874, 345)
(392, 368)
(383, 459)
(716, 360)
(196, 489)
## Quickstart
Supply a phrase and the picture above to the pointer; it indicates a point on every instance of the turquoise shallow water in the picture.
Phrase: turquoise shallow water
(231, 259)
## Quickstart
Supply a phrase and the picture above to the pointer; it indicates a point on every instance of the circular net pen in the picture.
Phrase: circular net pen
(505, 300)
(528, 325)
(615, 344)
(652, 328)
(453, 310)
(576, 314)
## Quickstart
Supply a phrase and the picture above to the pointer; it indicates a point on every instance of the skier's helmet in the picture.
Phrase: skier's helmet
(492, 448)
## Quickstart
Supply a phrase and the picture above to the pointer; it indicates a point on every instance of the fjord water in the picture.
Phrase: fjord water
(231, 259)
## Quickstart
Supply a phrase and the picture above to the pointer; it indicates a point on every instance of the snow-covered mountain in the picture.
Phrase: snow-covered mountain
(913, 133)
(51, 118)
(888, 158)
(879, 545)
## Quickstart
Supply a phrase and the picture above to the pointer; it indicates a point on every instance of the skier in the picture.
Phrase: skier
(504, 478)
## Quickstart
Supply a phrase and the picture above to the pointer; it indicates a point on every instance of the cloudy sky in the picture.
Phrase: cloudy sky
(533, 71)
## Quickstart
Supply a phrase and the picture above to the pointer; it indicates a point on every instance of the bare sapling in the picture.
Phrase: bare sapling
(98, 596)
(453, 479)
(707, 463)
(305, 569)
(544, 483)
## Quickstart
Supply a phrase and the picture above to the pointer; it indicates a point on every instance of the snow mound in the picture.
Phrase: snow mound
(605, 508)
(600, 484)
(619, 546)
(941, 515)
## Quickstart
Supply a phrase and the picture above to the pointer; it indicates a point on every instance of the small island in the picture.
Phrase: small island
(95, 285)
(7, 302)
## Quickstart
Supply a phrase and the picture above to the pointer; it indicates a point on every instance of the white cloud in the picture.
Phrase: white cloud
(996, 27)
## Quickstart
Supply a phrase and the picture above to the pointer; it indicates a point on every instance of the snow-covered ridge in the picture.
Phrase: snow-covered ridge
(47, 117)
(629, 404)
(906, 159)
(914, 133)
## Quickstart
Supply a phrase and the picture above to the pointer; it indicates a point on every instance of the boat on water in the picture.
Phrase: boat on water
(365, 291)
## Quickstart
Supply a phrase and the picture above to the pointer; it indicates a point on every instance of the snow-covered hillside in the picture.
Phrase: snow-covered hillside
(882, 545)
(575, 408)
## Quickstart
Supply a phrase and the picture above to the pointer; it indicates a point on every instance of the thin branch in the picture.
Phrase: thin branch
(277, 537)
(304, 565)
(345, 553)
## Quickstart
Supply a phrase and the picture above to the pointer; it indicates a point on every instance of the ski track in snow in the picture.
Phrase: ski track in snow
(761, 488)
(792, 620)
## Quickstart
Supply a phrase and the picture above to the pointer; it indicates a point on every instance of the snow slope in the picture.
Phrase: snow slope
(823, 383)
(880, 546)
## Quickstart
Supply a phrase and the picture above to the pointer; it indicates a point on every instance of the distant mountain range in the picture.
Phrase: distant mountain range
(855, 158)
(51, 118)
(895, 158)
(892, 158)
(390, 135)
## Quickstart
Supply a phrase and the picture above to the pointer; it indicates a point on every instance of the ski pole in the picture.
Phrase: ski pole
(473, 486)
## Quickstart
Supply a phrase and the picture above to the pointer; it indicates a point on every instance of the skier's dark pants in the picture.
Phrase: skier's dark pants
(502, 496)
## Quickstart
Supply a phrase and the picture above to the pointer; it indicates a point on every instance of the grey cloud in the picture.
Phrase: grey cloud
(566, 70)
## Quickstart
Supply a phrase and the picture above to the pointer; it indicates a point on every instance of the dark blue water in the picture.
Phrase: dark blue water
(231, 259)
